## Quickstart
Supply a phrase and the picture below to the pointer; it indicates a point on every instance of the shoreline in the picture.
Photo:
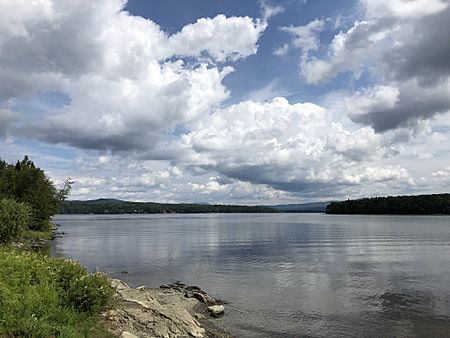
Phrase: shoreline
(168, 311)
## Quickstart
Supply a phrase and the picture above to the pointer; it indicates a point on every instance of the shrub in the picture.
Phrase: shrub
(90, 293)
(66, 271)
(14, 218)
(83, 291)
(44, 297)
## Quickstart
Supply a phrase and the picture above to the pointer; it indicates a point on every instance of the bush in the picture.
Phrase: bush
(14, 218)
(83, 291)
(66, 271)
(90, 293)
(44, 297)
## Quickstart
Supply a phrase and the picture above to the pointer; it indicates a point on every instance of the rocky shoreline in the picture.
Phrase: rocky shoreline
(172, 310)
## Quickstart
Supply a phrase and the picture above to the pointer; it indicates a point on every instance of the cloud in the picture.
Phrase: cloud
(7, 118)
(128, 81)
(403, 8)
(388, 107)
(122, 114)
(402, 46)
(353, 50)
(305, 37)
(145, 116)
(220, 37)
(268, 10)
(281, 51)
(289, 147)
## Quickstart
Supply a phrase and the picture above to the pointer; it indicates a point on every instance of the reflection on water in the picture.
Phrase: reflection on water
(285, 275)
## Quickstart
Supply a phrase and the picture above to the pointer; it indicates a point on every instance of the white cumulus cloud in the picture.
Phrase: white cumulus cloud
(128, 81)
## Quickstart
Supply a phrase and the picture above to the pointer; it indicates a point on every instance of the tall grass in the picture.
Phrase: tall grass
(45, 297)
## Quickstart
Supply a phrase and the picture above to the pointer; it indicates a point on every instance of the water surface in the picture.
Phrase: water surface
(285, 275)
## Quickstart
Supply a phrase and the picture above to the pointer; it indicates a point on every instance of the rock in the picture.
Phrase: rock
(162, 313)
(155, 312)
(141, 288)
(220, 302)
(126, 334)
(216, 310)
(195, 288)
(193, 292)
(201, 297)
(119, 285)
(199, 316)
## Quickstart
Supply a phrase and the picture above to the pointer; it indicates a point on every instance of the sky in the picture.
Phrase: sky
(236, 101)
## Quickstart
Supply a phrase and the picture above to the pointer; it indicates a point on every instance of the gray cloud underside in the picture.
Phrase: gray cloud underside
(415, 102)
(409, 51)
(424, 53)
(7, 119)
(421, 67)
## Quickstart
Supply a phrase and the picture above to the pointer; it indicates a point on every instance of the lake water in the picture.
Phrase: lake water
(284, 275)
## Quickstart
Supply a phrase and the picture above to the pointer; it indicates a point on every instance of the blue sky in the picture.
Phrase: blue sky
(229, 101)
(263, 68)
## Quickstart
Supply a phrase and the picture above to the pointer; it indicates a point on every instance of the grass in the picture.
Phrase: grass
(50, 297)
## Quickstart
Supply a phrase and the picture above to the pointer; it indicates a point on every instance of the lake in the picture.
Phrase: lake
(284, 275)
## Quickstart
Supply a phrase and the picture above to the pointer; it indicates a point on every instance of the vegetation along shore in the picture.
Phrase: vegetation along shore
(436, 204)
(57, 297)
(114, 206)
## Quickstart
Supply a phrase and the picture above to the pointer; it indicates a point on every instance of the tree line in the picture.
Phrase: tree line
(438, 204)
(107, 206)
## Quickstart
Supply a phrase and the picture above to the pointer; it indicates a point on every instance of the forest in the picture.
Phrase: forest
(435, 204)
(113, 206)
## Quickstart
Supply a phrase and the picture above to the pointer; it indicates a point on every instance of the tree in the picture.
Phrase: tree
(26, 183)
(64, 192)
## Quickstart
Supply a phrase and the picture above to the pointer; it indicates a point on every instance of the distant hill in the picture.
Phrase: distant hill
(114, 206)
(301, 208)
(99, 201)
(436, 204)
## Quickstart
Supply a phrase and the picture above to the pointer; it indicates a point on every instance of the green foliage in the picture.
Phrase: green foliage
(14, 219)
(85, 292)
(105, 206)
(30, 236)
(26, 183)
(66, 273)
(40, 297)
(399, 205)
(64, 192)
(89, 293)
